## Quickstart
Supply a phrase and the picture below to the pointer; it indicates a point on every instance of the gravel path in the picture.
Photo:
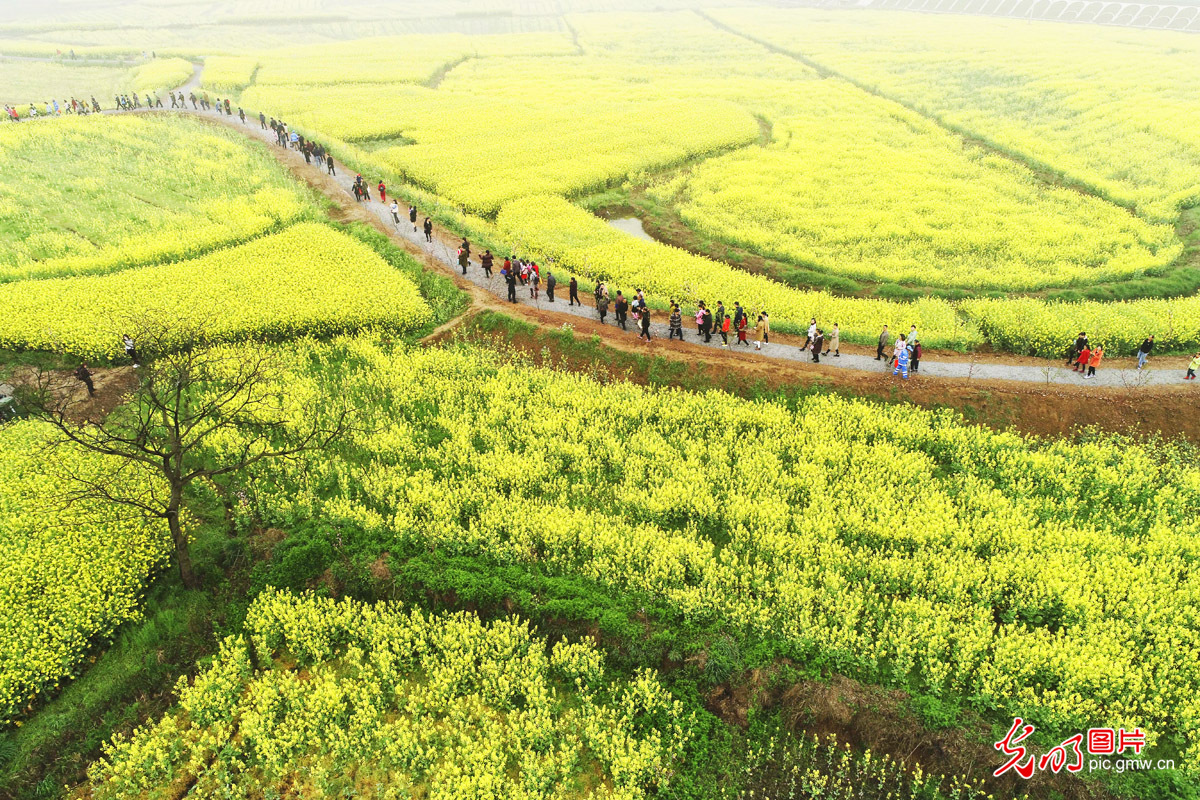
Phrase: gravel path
(443, 251)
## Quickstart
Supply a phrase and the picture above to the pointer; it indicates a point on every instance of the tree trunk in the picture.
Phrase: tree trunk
(182, 554)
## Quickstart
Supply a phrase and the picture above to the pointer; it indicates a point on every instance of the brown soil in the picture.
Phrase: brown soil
(870, 717)
(112, 385)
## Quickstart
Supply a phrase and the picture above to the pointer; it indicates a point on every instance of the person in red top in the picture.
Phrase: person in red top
(382, 192)
(1084, 356)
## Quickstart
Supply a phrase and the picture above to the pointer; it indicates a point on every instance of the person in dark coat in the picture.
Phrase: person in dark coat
(428, 230)
(82, 373)
(486, 262)
(621, 307)
(1074, 350)
(464, 258)
(551, 281)
(818, 343)
(329, 164)
(511, 280)
(574, 289)
(644, 314)
(412, 217)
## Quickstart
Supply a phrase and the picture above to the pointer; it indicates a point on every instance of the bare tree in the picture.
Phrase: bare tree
(188, 396)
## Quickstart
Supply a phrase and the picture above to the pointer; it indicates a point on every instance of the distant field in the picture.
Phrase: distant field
(149, 190)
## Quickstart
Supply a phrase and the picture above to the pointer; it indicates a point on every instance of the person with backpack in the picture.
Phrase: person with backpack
(1094, 362)
(835, 342)
(464, 258)
(573, 289)
(883, 342)
(1144, 351)
(1192, 367)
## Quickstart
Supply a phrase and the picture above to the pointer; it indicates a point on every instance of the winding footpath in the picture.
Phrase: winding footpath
(443, 252)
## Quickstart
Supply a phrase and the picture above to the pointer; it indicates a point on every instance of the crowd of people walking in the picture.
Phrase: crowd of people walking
(736, 327)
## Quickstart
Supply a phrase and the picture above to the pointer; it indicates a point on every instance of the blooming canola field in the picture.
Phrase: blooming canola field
(309, 279)
(1047, 580)
(150, 190)
(382, 701)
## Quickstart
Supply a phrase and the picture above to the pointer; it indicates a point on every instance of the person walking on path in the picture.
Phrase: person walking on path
(130, 349)
(718, 322)
(551, 282)
(916, 355)
(901, 362)
(1074, 350)
(675, 323)
(329, 164)
(486, 261)
(835, 342)
(1144, 351)
(818, 343)
(602, 305)
(573, 288)
(396, 212)
(763, 330)
(1192, 367)
(645, 316)
(812, 333)
(883, 342)
(242, 115)
(83, 374)
(262, 120)
(428, 231)
(741, 329)
(1094, 361)
(412, 217)
(464, 258)
(535, 282)
(466, 246)
(621, 307)
(1081, 361)
(725, 325)
(511, 280)
(382, 192)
